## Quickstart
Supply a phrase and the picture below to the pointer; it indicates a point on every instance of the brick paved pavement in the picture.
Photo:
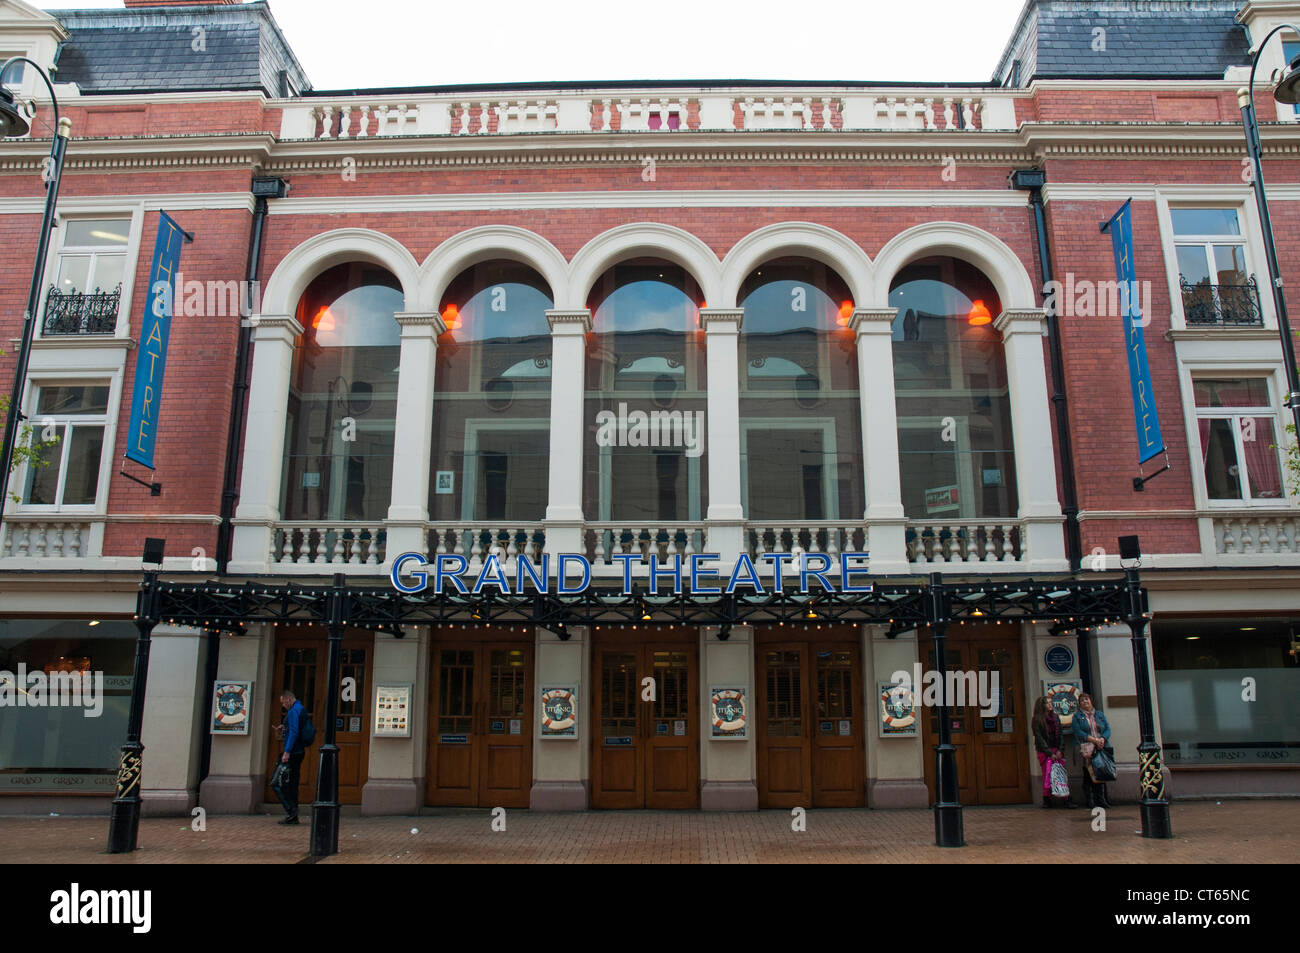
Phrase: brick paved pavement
(1205, 832)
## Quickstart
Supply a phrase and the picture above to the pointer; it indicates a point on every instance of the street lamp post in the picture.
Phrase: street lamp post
(1286, 91)
(14, 125)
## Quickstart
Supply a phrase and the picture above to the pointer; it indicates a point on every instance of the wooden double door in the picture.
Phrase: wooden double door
(302, 666)
(646, 715)
(811, 742)
(992, 750)
(480, 723)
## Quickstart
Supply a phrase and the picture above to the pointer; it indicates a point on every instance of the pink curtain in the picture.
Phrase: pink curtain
(1261, 461)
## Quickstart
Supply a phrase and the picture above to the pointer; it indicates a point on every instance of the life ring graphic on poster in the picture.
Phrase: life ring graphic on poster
(1063, 698)
(231, 703)
(728, 712)
(897, 709)
(559, 712)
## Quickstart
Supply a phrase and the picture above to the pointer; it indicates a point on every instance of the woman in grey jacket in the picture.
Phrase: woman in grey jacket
(1091, 731)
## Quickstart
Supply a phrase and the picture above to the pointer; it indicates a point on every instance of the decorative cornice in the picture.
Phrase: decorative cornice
(1018, 321)
(274, 322)
(569, 319)
(721, 320)
(872, 320)
(1221, 334)
(416, 319)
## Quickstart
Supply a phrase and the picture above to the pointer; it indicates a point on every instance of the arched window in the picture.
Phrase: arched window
(956, 459)
(343, 401)
(645, 401)
(492, 390)
(800, 417)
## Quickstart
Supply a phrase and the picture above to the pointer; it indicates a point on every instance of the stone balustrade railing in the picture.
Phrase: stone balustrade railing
(476, 542)
(44, 539)
(602, 540)
(937, 110)
(976, 541)
(1257, 534)
(805, 537)
(328, 544)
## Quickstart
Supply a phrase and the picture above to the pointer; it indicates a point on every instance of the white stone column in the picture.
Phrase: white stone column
(175, 706)
(408, 511)
(268, 407)
(395, 778)
(728, 765)
(725, 515)
(1042, 530)
(568, 365)
(562, 766)
(236, 781)
(884, 514)
(895, 766)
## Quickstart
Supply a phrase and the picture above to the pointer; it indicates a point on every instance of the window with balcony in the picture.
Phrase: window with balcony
(1217, 288)
(956, 459)
(343, 397)
(645, 396)
(70, 418)
(491, 406)
(800, 418)
(86, 293)
(1238, 435)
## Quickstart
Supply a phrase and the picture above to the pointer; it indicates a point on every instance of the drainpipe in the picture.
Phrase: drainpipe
(263, 188)
(1032, 181)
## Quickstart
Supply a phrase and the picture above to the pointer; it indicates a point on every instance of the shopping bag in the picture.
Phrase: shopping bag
(1103, 768)
(1060, 781)
(279, 776)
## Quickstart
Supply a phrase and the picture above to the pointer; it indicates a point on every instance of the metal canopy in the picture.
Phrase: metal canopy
(1067, 604)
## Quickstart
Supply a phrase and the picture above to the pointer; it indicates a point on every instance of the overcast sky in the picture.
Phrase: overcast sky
(363, 43)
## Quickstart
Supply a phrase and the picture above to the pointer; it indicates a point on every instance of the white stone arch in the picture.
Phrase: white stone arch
(805, 240)
(982, 249)
(339, 246)
(486, 243)
(649, 239)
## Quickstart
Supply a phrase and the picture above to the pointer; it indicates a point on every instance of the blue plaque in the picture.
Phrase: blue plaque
(1059, 659)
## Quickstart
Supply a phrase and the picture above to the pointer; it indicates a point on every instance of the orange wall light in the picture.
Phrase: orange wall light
(451, 316)
(979, 315)
(846, 312)
(324, 320)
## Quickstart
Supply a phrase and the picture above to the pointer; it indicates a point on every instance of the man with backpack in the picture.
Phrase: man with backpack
(298, 733)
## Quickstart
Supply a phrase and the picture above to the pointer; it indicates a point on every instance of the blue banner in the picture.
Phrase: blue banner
(1150, 443)
(156, 327)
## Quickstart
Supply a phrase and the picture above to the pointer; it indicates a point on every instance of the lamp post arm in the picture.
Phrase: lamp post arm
(63, 127)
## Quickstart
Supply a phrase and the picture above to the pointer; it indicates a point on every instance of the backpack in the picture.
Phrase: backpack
(306, 730)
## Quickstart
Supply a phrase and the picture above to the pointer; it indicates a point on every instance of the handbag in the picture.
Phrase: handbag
(280, 775)
(1060, 781)
(1103, 768)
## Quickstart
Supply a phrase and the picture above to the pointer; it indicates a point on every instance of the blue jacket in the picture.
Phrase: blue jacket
(293, 722)
(1079, 725)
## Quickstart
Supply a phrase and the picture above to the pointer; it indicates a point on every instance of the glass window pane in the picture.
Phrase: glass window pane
(43, 477)
(1258, 441)
(84, 451)
(1222, 480)
(1193, 265)
(1205, 221)
(1230, 264)
(108, 272)
(74, 272)
(96, 231)
(1245, 392)
(77, 399)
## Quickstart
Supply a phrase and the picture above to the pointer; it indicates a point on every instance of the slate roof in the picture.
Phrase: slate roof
(152, 48)
(1191, 39)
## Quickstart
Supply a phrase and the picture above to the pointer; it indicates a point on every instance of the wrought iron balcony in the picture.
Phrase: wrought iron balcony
(1230, 306)
(77, 312)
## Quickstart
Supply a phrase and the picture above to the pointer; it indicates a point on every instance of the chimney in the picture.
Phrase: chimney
(180, 3)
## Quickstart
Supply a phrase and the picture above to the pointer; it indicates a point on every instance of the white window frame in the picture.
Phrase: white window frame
(73, 211)
(1239, 198)
(89, 377)
(1268, 370)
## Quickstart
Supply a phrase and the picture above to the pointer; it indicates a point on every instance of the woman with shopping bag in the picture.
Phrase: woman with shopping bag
(1092, 732)
(1047, 743)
